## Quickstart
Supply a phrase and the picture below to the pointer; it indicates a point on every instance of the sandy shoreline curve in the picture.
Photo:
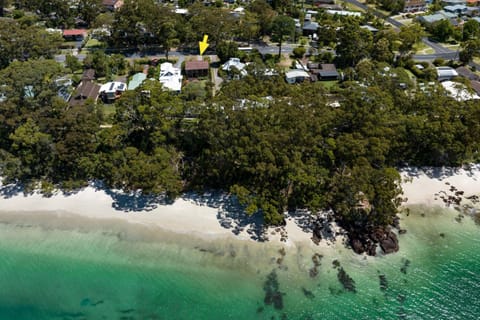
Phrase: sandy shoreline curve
(210, 216)
(214, 215)
(430, 186)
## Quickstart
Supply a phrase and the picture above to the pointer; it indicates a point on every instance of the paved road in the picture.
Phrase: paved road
(273, 48)
(452, 55)
(440, 51)
(61, 57)
(436, 46)
(397, 25)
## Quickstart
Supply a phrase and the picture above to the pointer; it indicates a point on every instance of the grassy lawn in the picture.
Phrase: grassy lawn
(351, 7)
(108, 111)
(328, 84)
(422, 48)
(451, 46)
(94, 43)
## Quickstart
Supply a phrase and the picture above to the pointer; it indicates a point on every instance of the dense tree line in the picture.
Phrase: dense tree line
(276, 146)
(144, 23)
(21, 41)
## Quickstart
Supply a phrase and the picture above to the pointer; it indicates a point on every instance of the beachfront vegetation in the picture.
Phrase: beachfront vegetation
(275, 146)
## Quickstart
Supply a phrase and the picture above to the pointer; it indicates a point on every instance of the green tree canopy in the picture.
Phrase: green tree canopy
(283, 27)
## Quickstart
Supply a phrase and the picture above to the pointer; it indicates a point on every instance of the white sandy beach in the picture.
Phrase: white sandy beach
(197, 216)
(427, 185)
(207, 216)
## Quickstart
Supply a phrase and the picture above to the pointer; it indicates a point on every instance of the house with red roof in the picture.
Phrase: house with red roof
(74, 34)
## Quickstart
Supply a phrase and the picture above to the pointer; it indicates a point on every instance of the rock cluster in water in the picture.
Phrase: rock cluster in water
(367, 242)
(383, 282)
(273, 295)
(454, 197)
(406, 264)
(316, 259)
(347, 282)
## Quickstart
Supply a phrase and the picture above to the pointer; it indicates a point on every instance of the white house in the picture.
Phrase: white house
(296, 76)
(170, 77)
(235, 64)
(446, 73)
(112, 90)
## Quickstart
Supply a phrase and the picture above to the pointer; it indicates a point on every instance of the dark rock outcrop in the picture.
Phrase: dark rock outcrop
(389, 242)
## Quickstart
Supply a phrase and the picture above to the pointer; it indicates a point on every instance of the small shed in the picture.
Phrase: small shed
(196, 69)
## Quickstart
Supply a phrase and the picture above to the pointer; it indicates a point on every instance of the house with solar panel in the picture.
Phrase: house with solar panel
(111, 91)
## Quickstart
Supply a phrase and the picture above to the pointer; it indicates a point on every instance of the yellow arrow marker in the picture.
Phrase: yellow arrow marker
(203, 44)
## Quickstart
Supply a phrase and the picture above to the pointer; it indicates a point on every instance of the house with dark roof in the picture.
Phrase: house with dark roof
(196, 69)
(87, 89)
(328, 71)
(324, 71)
(309, 28)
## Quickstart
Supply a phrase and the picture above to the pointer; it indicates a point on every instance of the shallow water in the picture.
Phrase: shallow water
(122, 273)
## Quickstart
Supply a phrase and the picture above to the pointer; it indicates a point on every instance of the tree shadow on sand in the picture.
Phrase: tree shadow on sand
(319, 225)
(441, 173)
(231, 214)
(133, 201)
(11, 190)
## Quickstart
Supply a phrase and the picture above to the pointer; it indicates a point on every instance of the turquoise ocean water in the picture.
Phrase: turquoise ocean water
(123, 273)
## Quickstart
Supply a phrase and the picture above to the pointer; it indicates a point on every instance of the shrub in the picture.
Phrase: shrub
(299, 52)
